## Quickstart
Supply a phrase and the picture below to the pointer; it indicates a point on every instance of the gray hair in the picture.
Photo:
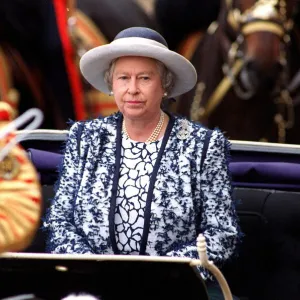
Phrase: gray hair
(166, 76)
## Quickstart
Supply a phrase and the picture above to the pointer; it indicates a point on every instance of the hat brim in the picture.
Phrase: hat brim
(95, 62)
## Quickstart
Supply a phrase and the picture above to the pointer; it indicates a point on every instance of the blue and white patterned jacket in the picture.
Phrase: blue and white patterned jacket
(182, 200)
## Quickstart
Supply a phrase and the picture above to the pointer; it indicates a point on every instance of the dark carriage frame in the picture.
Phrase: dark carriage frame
(268, 206)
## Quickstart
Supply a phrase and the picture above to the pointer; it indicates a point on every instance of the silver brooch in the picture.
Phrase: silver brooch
(184, 131)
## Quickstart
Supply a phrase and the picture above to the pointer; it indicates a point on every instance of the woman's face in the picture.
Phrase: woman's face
(137, 87)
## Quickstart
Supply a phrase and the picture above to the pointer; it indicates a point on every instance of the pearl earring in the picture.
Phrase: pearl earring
(111, 93)
(165, 94)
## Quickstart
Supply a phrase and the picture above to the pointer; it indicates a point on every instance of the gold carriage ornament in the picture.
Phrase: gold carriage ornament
(20, 192)
(9, 167)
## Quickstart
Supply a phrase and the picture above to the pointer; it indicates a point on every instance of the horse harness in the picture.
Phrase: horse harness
(264, 15)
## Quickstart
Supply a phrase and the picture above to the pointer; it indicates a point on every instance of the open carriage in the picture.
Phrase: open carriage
(266, 180)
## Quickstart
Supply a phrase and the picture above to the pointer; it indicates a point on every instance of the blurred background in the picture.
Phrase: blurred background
(246, 55)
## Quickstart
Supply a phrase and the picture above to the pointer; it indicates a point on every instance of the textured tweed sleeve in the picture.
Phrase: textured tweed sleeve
(217, 215)
(59, 225)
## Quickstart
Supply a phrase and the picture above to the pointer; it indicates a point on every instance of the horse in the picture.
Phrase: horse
(41, 43)
(248, 72)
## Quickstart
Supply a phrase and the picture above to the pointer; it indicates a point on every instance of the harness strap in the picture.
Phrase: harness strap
(222, 89)
(188, 47)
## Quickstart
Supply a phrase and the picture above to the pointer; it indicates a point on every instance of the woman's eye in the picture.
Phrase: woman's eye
(145, 78)
(123, 77)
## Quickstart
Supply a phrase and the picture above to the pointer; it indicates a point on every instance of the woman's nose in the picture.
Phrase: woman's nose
(133, 87)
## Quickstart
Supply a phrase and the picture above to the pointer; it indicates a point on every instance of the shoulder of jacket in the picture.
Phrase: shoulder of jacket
(96, 124)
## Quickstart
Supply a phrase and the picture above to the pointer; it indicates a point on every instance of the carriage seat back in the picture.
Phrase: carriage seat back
(267, 266)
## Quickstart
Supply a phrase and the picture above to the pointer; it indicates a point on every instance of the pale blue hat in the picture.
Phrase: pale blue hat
(138, 41)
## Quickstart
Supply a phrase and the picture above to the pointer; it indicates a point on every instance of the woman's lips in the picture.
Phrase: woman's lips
(134, 102)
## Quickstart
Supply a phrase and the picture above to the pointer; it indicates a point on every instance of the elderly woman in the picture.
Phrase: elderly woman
(142, 181)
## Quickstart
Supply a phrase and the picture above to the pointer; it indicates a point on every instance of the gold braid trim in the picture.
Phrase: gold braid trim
(263, 26)
(87, 31)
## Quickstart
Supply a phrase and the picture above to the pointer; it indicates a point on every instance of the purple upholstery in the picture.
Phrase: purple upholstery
(44, 160)
(277, 175)
(46, 164)
(255, 174)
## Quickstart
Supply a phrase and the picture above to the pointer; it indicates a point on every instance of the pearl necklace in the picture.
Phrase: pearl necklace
(155, 133)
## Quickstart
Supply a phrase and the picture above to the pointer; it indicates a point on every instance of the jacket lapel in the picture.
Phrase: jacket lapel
(95, 193)
(172, 201)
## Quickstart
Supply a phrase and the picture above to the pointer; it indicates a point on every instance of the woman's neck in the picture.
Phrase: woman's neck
(140, 130)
